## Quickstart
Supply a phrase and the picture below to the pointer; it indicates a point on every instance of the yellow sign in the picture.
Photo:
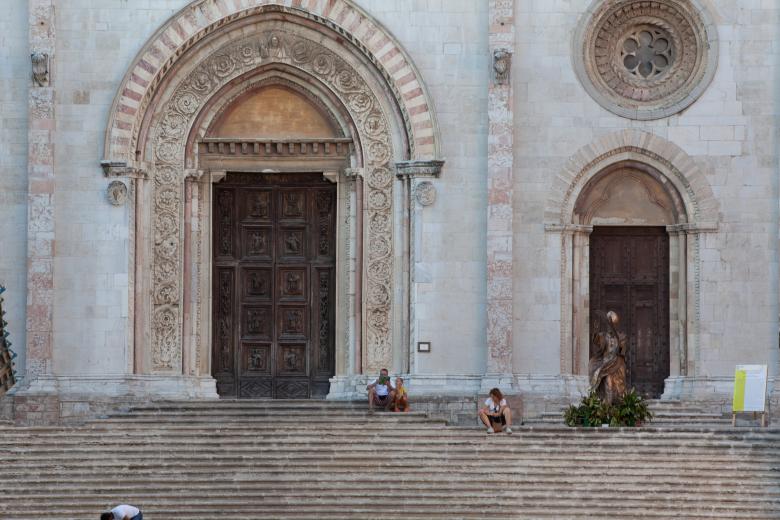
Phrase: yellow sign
(750, 388)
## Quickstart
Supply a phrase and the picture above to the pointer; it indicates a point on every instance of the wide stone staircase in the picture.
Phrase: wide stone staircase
(232, 460)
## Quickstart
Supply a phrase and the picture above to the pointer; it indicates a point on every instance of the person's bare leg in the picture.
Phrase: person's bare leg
(371, 399)
(405, 404)
(484, 418)
(508, 417)
(391, 401)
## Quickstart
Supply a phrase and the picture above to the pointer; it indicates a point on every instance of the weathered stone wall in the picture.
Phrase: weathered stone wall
(447, 40)
(96, 42)
(14, 81)
(731, 134)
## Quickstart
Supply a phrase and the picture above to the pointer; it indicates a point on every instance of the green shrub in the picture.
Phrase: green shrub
(631, 410)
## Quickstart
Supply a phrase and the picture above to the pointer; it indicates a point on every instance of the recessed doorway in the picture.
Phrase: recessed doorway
(274, 259)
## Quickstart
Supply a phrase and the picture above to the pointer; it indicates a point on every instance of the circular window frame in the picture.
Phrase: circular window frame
(590, 24)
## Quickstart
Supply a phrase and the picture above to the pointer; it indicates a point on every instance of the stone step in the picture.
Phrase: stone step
(238, 460)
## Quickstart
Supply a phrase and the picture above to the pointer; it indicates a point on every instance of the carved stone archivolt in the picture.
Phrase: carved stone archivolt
(645, 60)
(278, 46)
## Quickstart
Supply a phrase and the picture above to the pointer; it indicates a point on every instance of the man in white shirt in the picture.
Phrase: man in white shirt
(382, 391)
(123, 512)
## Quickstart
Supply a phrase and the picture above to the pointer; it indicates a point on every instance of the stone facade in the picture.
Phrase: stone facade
(476, 132)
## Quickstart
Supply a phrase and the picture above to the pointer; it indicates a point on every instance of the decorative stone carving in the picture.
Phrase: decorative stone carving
(502, 63)
(645, 60)
(227, 63)
(419, 168)
(117, 193)
(40, 69)
(425, 193)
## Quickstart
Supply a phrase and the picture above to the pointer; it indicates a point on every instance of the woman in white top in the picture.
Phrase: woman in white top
(496, 414)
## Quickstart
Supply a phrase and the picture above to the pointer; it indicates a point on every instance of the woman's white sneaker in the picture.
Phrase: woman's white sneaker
(508, 429)
(491, 430)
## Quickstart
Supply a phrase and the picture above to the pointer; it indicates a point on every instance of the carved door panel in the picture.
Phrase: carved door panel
(274, 264)
(629, 273)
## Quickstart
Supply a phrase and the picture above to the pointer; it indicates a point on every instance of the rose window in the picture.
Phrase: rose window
(647, 52)
(645, 59)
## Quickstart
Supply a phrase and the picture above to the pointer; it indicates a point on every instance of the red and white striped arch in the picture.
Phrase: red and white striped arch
(201, 18)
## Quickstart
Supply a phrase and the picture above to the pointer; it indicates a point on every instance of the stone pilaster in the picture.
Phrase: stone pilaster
(418, 192)
(40, 213)
(500, 191)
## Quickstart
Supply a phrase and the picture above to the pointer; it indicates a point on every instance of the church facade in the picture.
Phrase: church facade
(277, 198)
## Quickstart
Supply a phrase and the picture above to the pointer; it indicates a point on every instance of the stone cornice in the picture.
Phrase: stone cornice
(122, 169)
(419, 168)
(277, 148)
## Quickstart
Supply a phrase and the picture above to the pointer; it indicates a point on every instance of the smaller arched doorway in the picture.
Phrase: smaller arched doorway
(627, 208)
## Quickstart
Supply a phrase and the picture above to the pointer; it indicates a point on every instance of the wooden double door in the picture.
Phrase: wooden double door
(274, 257)
(629, 273)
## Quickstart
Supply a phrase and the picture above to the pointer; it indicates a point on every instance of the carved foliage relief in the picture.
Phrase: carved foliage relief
(170, 133)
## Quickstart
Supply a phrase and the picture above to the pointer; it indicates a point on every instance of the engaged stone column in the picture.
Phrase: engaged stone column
(40, 198)
(500, 193)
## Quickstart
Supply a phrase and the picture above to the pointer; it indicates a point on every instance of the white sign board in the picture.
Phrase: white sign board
(750, 388)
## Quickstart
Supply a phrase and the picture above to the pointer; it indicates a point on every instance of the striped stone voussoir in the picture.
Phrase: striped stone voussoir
(203, 17)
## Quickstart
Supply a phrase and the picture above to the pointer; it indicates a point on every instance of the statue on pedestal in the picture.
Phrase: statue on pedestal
(607, 366)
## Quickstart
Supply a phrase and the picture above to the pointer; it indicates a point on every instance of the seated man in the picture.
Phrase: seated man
(381, 392)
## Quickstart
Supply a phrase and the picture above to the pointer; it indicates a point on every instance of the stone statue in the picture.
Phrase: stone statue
(607, 366)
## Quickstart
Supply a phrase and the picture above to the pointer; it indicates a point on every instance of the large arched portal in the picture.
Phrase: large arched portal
(261, 143)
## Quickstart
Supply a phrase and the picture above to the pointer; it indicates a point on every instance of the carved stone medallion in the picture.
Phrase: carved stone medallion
(117, 193)
(224, 65)
(425, 193)
(645, 60)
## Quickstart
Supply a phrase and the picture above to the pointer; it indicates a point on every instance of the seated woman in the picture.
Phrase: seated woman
(496, 414)
(401, 402)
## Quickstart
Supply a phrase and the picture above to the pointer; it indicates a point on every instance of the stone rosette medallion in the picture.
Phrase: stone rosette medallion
(645, 59)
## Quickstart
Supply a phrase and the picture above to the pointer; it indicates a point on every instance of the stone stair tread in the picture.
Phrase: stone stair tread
(230, 460)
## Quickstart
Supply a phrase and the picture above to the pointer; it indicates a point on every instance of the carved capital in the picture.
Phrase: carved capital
(193, 174)
(122, 169)
(354, 173)
(413, 169)
(216, 176)
(502, 64)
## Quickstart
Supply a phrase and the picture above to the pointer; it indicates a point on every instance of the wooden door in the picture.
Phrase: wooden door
(274, 258)
(629, 273)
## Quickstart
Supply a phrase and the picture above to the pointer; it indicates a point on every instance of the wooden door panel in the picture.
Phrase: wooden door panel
(257, 205)
(292, 284)
(255, 388)
(291, 389)
(257, 284)
(629, 273)
(274, 260)
(256, 322)
(257, 242)
(291, 322)
(292, 244)
(256, 359)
